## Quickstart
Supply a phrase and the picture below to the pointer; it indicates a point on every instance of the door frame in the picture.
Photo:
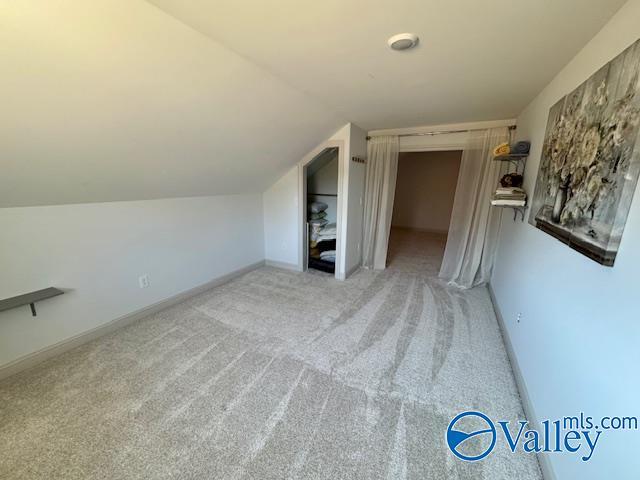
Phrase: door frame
(303, 245)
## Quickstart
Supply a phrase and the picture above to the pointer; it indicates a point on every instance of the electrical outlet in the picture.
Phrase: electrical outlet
(519, 317)
(143, 281)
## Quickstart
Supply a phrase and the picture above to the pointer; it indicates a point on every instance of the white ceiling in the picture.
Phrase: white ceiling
(107, 100)
(477, 60)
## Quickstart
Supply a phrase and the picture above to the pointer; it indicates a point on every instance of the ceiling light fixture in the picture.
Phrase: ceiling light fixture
(403, 41)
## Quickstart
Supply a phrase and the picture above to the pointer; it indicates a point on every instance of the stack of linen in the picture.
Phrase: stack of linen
(317, 218)
(323, 234)
(509, 197)
(321, 229)
(318, 213)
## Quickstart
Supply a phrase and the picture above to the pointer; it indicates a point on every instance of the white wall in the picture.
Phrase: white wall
(99, 250)
(354, 198)
(425, 189)
(281, 226)
(577, 342)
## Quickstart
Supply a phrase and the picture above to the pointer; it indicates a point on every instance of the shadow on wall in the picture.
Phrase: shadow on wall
(425, 189)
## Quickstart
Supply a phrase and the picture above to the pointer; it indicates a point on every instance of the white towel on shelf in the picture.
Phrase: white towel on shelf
(328, 255)
(509, 203)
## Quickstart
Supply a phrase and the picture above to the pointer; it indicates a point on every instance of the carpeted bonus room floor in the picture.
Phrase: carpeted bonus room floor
(276, 375)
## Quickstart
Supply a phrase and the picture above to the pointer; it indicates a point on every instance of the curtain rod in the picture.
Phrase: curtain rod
(441, 132)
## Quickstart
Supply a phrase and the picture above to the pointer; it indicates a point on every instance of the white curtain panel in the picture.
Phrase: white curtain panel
(473, 231)
(380, 188)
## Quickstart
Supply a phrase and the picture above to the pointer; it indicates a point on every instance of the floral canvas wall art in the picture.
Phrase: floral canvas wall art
(590, 161)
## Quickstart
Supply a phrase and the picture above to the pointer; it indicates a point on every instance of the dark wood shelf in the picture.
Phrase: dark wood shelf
(29, 299)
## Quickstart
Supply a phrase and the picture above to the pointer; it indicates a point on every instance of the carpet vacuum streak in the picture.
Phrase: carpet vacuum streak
(276, 375)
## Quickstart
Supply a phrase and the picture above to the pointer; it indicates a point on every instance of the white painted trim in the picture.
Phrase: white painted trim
(32, 359)
(302, 202)
(282, 265)
(527, 405)
(443, 127)
(353, 270)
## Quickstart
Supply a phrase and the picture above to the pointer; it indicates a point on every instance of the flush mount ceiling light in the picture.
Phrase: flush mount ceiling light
(403, 41)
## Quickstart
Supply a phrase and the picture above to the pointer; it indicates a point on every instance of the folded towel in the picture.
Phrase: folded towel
(324, 238)
(317, 207)
(502, 149)
(513, 196)
(509, 203)
(318, 222)
(521, 147)
(329, 229)
(323, 232)
(509, 190)
(328, 256)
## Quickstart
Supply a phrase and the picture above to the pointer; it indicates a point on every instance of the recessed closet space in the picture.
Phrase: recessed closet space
(322, 210)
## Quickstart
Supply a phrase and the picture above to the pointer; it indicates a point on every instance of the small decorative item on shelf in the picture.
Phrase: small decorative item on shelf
(502, 150)
(511, 180)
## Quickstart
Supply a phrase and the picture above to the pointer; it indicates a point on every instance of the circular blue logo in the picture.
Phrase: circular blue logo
(485, 434)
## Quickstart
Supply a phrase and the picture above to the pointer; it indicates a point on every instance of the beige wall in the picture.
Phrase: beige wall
(425, 190)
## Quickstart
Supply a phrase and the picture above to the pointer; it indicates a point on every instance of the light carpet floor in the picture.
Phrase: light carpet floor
(276, 375)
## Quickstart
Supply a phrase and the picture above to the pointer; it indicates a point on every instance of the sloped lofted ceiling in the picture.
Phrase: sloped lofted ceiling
(107, 100)
(120, 100)
(477, 60)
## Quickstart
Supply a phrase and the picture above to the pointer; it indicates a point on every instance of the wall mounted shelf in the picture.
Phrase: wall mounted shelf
(516, 159)
(29, 299)
(511, 157)
(516, 211)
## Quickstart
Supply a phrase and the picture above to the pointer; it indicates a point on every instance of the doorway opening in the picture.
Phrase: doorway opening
(322, 210)
(425, 191)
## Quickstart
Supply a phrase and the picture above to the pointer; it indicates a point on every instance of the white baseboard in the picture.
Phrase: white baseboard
(353, 270)
(32, 359)
(527, 405)
(283, 265)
